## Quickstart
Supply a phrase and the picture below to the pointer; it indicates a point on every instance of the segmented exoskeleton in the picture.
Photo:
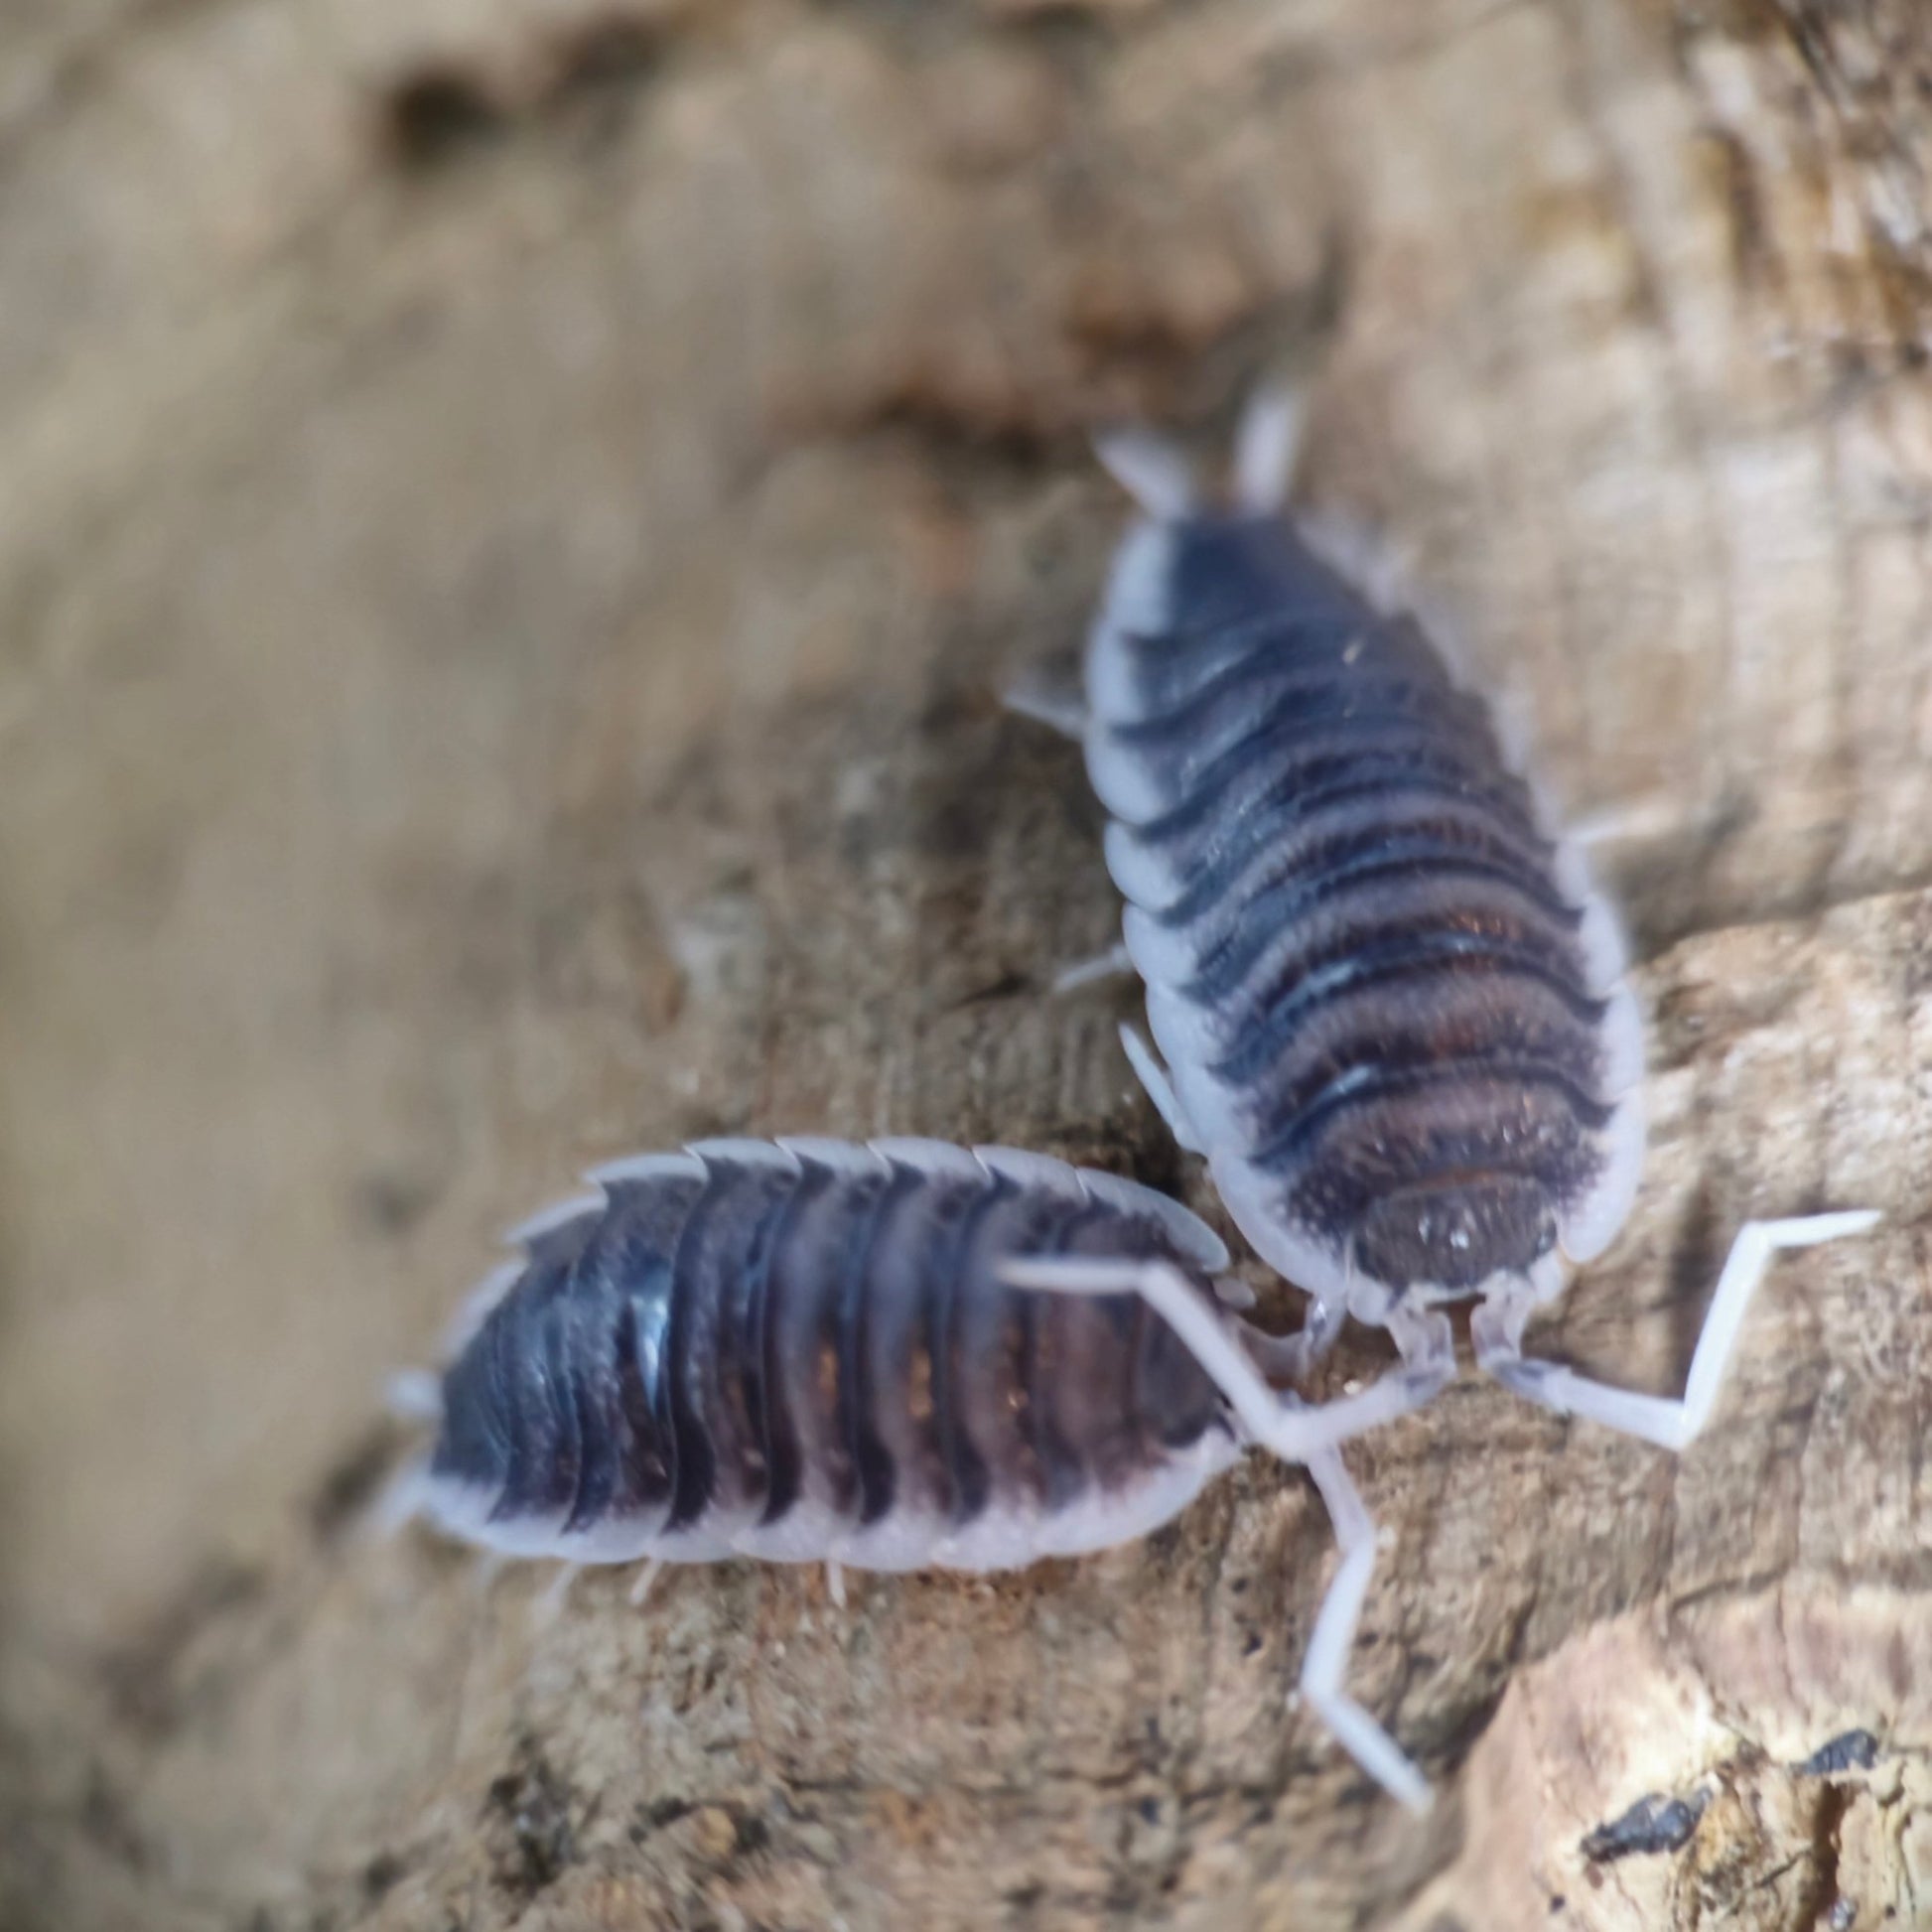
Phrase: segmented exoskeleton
(1391, 1004)
(807, 1350)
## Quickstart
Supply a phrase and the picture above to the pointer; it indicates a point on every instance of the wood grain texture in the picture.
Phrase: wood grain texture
(515, 519)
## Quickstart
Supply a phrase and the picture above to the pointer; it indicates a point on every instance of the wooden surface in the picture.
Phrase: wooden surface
(512, 520)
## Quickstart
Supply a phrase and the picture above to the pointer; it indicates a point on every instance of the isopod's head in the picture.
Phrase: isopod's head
(475, 1431)
(1456, 1232)
(553, 1410)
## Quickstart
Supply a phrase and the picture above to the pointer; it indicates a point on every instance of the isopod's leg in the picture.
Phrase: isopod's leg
(400, 1501)
(646, 1576)
(1496, 1328)
(415, 1394)
(1655, 815)
(1264, 449)
(551, 1602)
(1325, 1664)
(1279, 1424)
(1114, 963)
(1065, 712)
(1286, 1358)
(1306, 1436)
(835, 1581)
(1160, 1089)
(1059, 710)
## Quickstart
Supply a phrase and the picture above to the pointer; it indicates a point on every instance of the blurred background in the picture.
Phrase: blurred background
(513, 518)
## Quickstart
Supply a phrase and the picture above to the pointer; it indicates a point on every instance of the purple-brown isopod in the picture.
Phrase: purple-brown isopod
(1391, 1003)
(809, 1350)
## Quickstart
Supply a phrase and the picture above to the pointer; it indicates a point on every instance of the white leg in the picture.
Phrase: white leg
(1496, 1328)
(400, 1501)
(1279, 1424)
(1654, 816)
(1264, 449)
(835, 1581)
(1152, 470)
(1115, 963)
(1325, 1663)
(1062, 711)
(646, 1576)
(1160, 1089)
(415, 1394)
(1286, 1358)
(551, 1602)
(1306, 1436)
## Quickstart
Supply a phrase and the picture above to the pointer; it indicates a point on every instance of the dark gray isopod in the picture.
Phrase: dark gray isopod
(809, 1350)
(1391, 1003)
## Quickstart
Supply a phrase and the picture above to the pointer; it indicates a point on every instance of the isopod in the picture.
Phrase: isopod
(809, 1350)
(1392, 1005)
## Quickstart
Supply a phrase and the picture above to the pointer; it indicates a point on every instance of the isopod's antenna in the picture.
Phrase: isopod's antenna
(1157, 474)
(1309, 1436)
(1325, 1662)
(1290, 1430)
(1496, 1329)
(1265, 448)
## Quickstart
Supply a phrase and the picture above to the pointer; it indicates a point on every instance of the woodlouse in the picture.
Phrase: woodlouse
(807, 1349)
(1392, 1005)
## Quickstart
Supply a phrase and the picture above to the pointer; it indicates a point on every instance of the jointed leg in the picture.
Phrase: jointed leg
(1062, 710)
(1292, 1432)
(550, 1604)
(1653, 816)
(1325, 1663)
(415, 1394)
(1498, 1331)
(1286, 1358)
(1306, 1436)
(1160, 1089)
(400, 1501)
(1115, 963)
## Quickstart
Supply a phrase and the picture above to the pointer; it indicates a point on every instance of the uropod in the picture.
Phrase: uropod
(809, 1350)
(1391, 1004)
